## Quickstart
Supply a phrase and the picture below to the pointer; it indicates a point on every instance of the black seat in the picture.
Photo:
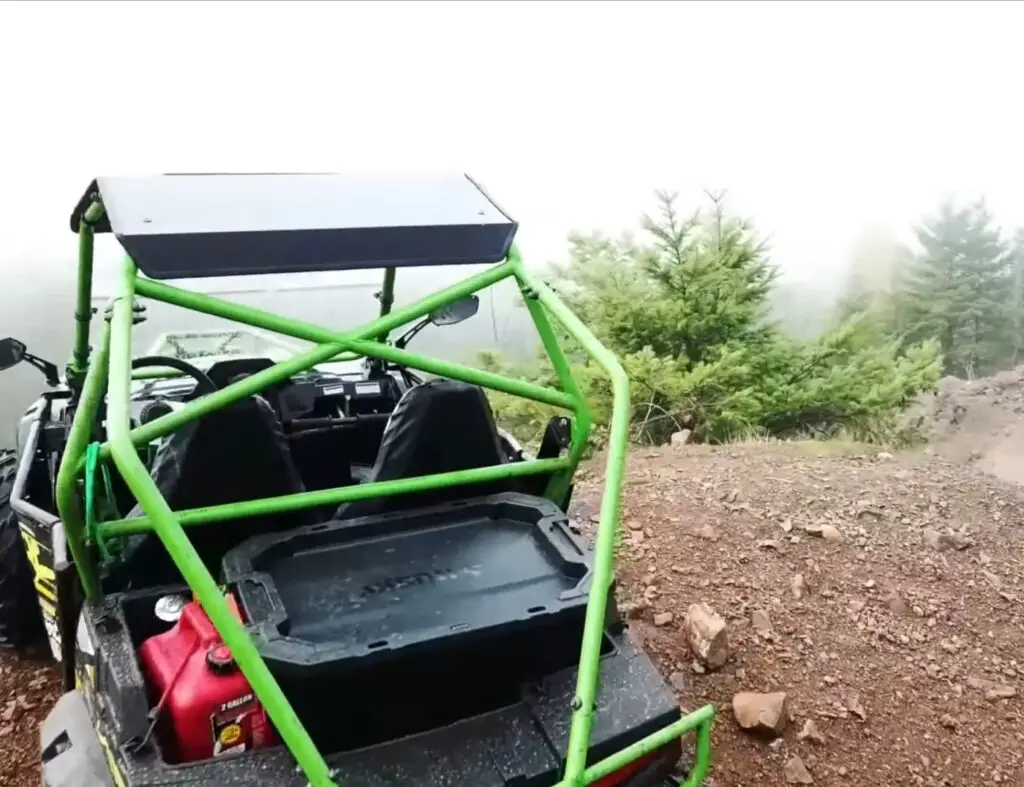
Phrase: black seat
(437, 427)
(232, 455)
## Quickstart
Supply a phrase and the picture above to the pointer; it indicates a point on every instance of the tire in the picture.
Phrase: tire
(21, 622)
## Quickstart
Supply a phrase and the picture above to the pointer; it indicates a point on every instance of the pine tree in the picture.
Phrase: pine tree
(955, 290)
(1016, 298)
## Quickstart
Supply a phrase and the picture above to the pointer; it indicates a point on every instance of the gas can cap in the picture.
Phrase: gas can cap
(169, 608)
(219, 658)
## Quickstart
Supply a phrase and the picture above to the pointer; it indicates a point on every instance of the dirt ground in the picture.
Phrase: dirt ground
(27, 690)
(902, 641)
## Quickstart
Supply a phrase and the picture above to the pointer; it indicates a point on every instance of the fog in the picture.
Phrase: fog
(825, 123)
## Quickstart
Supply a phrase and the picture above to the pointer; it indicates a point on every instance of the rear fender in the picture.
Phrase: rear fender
(73, 753)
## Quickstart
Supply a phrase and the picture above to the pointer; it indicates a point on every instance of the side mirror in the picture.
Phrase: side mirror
(12, 352)
(456, 312)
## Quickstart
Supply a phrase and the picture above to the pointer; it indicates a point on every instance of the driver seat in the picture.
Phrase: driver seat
(437, 427)
(231, 455)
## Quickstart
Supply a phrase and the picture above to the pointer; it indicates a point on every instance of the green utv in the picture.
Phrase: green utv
(316, 567)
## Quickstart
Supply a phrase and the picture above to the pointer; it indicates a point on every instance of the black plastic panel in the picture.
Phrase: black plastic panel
(184, 226)
(521, 745)
(359, 590)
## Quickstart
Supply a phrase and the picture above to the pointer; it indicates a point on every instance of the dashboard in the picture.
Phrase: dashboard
(310, 399)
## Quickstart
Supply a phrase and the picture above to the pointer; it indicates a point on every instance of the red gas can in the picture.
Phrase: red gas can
(207, 702)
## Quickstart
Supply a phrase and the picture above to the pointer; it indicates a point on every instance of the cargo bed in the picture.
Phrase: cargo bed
(348, 593)
(414, 620)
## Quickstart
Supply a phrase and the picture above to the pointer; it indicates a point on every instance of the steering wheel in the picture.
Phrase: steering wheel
(204, 384)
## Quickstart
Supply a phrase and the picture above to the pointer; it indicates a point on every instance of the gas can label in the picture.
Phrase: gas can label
(240, 725)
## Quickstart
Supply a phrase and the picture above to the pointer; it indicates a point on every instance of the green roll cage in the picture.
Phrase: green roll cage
(109, 373)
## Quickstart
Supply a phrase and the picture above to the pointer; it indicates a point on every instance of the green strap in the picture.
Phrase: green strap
(98, 508)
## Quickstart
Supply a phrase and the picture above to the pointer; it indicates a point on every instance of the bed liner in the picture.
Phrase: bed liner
(351, 593)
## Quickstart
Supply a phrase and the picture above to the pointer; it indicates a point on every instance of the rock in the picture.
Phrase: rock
(866, 509)
(761, 622)
(932, 538)
(957, 541)
(810, 732)
(765, 714)
(853, 705)
(896, 604)
(798, 587)
(947, 721)
(992, 579)
(796, 772)
(678, 681)
(827, 532)
(883, 456)
(682, 437)
(634, 609)
(1001, 692)
(662, 618)
(708, 533)
(787, 525)
(769, 543)
(707, 635)
(831, 534)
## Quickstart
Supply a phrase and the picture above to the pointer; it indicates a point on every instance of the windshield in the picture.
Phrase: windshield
(241, 341)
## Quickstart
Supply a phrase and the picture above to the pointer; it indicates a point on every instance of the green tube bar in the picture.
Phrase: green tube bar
(618, 444)
(68, 503)
(344, 494)
(83, 303)
(184, 554)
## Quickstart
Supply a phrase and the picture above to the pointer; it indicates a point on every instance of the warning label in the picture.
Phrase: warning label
(240, 725)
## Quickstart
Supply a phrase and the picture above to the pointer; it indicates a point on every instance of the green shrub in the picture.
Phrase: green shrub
(685, 313)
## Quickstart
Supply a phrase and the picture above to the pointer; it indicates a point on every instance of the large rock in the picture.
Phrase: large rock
(682, 437)
(764, 714)
(707, 636)
(796, 772)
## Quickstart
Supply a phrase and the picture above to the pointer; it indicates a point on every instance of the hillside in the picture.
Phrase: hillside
(881, 595)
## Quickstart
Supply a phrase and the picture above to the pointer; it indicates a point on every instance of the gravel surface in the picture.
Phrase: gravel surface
(27, 690)
(880, 595)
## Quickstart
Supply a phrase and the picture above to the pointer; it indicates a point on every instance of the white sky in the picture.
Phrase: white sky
(819, 118)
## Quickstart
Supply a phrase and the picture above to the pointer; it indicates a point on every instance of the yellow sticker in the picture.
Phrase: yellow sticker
(230, 735)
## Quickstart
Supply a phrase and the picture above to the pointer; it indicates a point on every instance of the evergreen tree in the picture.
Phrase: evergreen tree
(877, 261)
(685, 309)
(1016, 298)
(955, 291)
(701, 281)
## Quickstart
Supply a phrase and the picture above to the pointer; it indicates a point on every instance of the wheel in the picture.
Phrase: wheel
(21, 622)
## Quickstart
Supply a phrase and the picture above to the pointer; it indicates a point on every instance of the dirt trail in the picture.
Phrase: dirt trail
(902, 639)
(978, 422)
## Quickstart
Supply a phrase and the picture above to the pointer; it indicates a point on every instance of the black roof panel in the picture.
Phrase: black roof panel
(203, 225)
